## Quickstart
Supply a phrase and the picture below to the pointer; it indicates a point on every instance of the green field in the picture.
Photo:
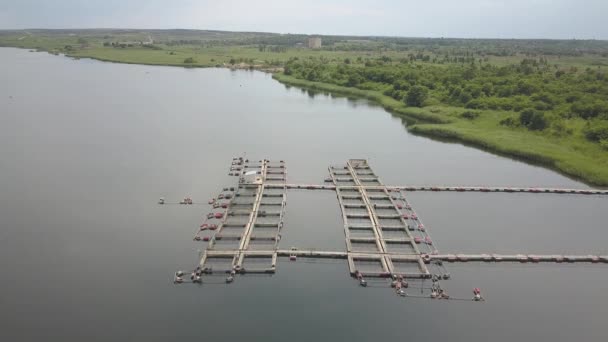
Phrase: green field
(542, 101)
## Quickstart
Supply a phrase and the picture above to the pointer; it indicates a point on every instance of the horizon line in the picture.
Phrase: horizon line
(305, 34)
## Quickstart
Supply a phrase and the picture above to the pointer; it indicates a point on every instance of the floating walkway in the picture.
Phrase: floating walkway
(491, 258)
(463, 189)
(384, 236)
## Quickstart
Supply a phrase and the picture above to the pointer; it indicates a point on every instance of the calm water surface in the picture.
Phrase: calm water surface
(87, 148)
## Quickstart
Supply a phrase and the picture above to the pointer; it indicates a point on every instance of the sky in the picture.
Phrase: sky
(556, 19)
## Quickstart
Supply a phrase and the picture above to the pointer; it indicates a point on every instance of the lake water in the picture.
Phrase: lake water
(86, 254)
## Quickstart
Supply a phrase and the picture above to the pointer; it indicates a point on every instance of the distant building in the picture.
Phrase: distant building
(314, 43)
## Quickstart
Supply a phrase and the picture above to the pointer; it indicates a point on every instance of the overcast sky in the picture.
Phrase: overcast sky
(413, 18)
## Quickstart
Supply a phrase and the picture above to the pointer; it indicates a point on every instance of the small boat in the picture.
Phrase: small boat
(477, 294)
(161, 200)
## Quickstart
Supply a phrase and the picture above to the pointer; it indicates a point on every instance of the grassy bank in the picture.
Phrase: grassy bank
(574, 156)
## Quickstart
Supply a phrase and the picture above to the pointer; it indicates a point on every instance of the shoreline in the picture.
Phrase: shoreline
(424, 122)
(434, 126)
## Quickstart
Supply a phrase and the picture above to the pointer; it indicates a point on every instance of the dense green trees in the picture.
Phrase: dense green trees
(416, 96)
(544, 99)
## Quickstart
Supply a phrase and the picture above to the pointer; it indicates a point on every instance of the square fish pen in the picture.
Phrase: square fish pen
(228, 231)
(362, 245)
(224, 244)
(409, 266)
(368, 265)
(395, 246)
(258, 262)
(394, 232)
(361, 232)
(262, 243)
(218, 263)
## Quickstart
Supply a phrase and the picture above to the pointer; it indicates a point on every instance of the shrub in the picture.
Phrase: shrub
(596, 131)
(469, 115)
(533, 120)
(416, 96)
(587, 109)
(509, 122)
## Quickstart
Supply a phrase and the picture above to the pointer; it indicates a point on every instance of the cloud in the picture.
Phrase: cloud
(447, 18)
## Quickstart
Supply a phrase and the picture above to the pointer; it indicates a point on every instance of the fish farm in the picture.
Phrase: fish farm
(386, 241)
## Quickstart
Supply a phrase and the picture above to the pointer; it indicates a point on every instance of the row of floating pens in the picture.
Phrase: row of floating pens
(222, 201)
